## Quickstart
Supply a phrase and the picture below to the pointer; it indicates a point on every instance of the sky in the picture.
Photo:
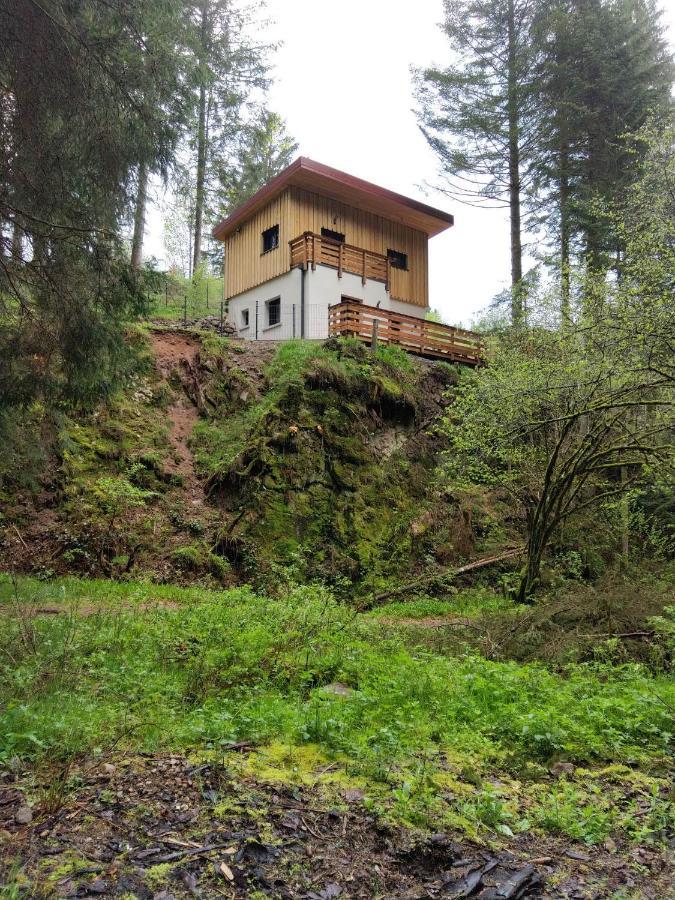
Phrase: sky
(342, 82)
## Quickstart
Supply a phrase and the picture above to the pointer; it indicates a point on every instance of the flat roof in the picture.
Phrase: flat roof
(314, 176)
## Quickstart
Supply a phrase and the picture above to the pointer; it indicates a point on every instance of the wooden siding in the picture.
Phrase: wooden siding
(296, 211)
(312, 212)
(246, 266)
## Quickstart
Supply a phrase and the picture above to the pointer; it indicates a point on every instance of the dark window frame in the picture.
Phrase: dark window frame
(270, 239)
(273, 303)
(245, 318)
(336, 236)
(398, 259)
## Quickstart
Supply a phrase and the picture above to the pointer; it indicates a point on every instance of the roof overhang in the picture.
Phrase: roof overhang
(314, 176)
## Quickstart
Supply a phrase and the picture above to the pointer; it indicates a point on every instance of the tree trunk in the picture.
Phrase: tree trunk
(565, 234)
(201, 146)
(139, 218)
(514, 175)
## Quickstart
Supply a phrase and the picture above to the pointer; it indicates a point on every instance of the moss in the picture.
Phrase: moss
(158, 876)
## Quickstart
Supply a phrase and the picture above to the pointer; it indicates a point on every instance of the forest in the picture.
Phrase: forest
(322, 619)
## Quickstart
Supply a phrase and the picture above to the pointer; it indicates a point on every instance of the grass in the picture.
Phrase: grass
(435, 741)
(185, 297)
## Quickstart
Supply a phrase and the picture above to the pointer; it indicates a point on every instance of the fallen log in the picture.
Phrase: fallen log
(513, 553)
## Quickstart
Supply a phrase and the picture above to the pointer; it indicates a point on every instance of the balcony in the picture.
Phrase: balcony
(429, 339)
(310, 249)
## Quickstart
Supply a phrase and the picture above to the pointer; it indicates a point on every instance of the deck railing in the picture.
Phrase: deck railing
(310, 249)
(371, 324)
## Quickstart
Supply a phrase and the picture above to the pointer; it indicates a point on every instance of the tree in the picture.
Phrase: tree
(556, 424)
(232, 63)
(602, 69)
(78, 116)
(568, 420)
(262, 150)
(478, 113)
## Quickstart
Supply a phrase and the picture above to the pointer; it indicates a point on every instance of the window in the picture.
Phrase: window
(273, 311)
(244, 318)
(270, 239)
(333, 235)
(398, 260)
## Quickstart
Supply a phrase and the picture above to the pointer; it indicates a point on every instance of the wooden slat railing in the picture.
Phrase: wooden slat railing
(412, 334)
(311, 249)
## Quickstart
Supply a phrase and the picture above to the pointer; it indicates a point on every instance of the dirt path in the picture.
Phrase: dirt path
(172, 352)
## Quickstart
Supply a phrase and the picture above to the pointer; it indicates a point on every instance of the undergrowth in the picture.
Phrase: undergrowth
(150, 668)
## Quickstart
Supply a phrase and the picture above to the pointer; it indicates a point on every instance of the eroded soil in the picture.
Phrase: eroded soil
(172, 827)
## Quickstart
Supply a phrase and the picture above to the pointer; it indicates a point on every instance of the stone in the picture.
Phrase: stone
(23, 815)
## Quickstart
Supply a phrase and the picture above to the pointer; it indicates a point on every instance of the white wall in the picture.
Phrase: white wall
(287, 287)
(323, 288)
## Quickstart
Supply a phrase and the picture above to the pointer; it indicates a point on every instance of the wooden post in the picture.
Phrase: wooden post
(166, 292)
(185, 311)
(207, 293)
(221, 315)
(373, 342)
(313, 252)
(363, 274)
(294, 320)
(340, 252)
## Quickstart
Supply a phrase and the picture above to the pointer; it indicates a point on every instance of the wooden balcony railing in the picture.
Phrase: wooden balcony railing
(412, 334)
(310, 249)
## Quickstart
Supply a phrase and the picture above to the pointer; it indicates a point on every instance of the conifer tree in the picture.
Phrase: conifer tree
(477, 113)
(233, 61)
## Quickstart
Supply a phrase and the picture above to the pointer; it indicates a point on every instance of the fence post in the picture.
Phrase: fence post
(221, 315)
(373, 342)
(294, 321)
(185, 311)
(207, 293)
(166, 292)
(256, 319)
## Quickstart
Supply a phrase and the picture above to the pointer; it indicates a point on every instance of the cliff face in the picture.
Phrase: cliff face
(236, 462)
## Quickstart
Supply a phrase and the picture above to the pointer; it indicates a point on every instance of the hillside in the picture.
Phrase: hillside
(320, 459)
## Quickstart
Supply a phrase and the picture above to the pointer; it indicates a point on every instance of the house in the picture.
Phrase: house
(318, 252)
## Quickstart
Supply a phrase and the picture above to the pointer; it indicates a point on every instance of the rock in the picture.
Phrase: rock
(23, 815)
(561, 768)
(338, 689)
(97, 887)
(353, 795)
(109, 768)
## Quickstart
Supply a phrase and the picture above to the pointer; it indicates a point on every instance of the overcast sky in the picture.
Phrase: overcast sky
(343, 85)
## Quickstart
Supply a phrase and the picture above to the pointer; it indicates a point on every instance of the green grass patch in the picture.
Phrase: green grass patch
(461, 742)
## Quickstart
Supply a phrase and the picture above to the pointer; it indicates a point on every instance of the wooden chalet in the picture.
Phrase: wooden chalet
(318, 252)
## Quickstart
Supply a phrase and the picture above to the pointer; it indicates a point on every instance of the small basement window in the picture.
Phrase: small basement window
(333, 235)
(244, 318)
(270, 239)
(398, 260)
(273, 311)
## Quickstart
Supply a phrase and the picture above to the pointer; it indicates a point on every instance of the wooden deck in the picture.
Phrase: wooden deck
(418, 336)
(310, 249)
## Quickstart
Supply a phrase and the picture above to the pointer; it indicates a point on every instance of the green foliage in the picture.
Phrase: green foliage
(418, 727)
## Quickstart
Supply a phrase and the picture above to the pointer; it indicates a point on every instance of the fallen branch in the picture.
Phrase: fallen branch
(196, 851)
(445, 574)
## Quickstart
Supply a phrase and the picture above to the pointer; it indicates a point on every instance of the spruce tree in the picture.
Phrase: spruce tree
(478, 116)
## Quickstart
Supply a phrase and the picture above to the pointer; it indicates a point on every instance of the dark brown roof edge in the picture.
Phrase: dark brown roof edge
(309, 165)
